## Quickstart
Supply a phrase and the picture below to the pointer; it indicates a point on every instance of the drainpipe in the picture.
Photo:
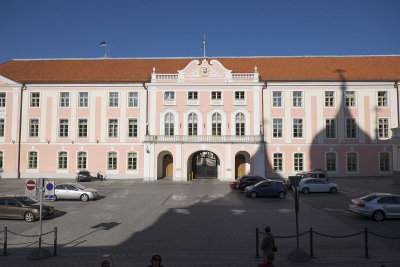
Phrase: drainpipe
(396, 85)
(147, 107)
(262, 109)
(23, 88)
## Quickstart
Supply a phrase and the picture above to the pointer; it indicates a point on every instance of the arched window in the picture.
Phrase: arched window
(239, 122)
(216, 124)
(352, 162)
(62, 160)
(192, 124)
(132, 161)
(112, 161)
(32, 160)
(169, 124)
(384, 162)
(82, 159)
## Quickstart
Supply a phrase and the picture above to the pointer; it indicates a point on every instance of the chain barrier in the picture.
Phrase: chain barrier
(365, 232)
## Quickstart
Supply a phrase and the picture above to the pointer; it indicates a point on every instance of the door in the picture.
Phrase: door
(240, 166)
(168, 164)
(14, 209)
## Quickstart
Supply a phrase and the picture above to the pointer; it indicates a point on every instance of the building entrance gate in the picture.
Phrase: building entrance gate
(205, 165)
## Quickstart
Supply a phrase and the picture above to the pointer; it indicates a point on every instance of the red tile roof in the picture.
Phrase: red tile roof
(323, 68)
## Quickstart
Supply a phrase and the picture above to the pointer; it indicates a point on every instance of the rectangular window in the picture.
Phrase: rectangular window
(278, 162)
(239, 95)
(330, 128)
(350, 98)
(329, 99)
(83, 99)
(2, 100)
(1, 160)
(216, 95)
(133, 99)
(297, 99)
(113, 99)
(330, 162)
(64, 99)
(132, 161)
(383, 128)
(32, 160)
(192, 96)
(113, 128)
(384, 162)
(132, 128)
(112, 161)
(35, 99)
(277, 99)
(277, 127)
(382, 99)
(63, 130)
(62, 160)
(298, 128)
(169, 96)
(298, 162)
(351, 131)
(1, 127)
(34, 128)
(82, 128)
(82, 160)
(351, 162)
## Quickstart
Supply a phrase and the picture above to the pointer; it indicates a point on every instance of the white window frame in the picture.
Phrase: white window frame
(34, 166)
(79, 128)
(113, 99)
(3, 99)
(296, 99)
(347, 162)
(2, 128)
(59, 128)
(302, 128)
(382, 101)
(355, 129)
(83, 101)
(385, 131)
(277, 101)
(113, 130)
(133, 99)
(133, 131)
(329, 98)
(389, 162)
(64, 100)
(298, 163)
(113, 168)
(326, 162)
(29, 127)
(281, 162)
(34, 101)
(58, 160)
(273, 128)
(326, 128)
(127, 161)
(347, 96)
(77, 160)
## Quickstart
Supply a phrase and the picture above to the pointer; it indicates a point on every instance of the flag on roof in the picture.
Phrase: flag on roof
(103, 44)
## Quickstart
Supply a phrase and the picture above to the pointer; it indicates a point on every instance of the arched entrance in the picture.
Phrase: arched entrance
(242, 164)
(168, 163)
(204, 165)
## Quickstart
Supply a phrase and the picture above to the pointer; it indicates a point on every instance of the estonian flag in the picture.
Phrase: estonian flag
(103, 44)
(204, 42)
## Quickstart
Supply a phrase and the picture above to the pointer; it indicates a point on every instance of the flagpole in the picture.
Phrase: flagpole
(204, 43)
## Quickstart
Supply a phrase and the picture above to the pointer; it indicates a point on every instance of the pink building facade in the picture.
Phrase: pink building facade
(186, 118)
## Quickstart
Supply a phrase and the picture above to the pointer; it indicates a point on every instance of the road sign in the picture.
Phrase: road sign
(30, 187)
(49, 190)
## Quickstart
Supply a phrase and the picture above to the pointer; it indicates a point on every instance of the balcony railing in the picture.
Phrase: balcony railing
(203, 139)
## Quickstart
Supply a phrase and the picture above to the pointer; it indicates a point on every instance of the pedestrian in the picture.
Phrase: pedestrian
(269, 261)
(268, 243)
(156, 261)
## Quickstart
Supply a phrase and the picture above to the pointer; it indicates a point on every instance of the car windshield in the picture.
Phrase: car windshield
(368, 198)
(27, 201)
(80, 186)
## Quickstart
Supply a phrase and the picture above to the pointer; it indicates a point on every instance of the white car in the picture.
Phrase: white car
(316, 185)
(75, 191)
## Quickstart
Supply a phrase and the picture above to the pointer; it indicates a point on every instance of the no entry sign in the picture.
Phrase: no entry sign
(30, 187)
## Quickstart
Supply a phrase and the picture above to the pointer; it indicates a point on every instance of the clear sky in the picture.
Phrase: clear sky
(169, 28)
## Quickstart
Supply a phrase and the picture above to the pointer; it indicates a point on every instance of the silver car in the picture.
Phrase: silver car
(378, 206)
(308, 185)
(75, 191)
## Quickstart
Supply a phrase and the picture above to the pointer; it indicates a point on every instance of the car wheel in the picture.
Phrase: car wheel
(281, 195)
(378, 215)
(29, 216)
(84, 197)
(333, 190)
(253, 194)
(305, 190)
(55, 198)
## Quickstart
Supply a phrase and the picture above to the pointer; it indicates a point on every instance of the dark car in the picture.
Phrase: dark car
(83, 176)
(247, 180)
(267, 188)
(23, 207)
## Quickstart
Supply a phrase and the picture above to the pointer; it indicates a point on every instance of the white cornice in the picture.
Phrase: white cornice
(335, 83)
(204, 84)
(85, 85)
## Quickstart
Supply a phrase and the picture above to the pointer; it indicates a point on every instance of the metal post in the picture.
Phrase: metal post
(257, 256)
(366, 242)
(311, 244)
(55, 242)
(297, 218)
(41, 210)
(5, 242)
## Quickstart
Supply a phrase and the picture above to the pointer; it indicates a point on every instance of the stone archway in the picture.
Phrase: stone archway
(242, 164)
(204, 165)
(168, 164)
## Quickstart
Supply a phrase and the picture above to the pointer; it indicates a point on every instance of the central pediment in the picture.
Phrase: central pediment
(205, 70)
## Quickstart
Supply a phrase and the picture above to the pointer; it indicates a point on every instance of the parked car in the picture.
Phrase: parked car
(244, 181)
(75, 191)
(308, 185)
(23, 207)
(378, 206)
(83, 176)
(316, 173)
(266, 188)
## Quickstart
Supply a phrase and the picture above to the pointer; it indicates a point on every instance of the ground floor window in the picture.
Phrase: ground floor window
(82, 159)
(1, 160)
(32, 160)
(384, 162)
(112, 161)
(62, 160)
(278, 162)
(351, 159)
(298, 162)
(132, 161)
(330, 161)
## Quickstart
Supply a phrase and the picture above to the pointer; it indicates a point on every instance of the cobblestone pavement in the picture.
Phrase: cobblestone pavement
(203, 223)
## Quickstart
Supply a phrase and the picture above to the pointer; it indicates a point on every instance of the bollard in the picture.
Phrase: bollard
(366, 242)
(257, 256)
(5, 242)
(311, 244)
(55, 242)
